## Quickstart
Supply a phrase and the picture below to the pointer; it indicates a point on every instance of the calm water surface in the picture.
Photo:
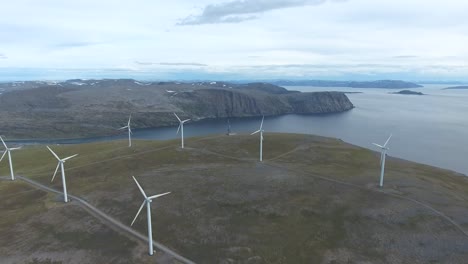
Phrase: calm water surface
(430, 129)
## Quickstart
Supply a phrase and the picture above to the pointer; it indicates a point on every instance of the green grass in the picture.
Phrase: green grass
(226, 205)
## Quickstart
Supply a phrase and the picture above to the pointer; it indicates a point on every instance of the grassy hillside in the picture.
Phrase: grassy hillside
(313, 200)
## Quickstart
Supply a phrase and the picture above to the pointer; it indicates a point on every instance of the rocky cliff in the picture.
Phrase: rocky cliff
(78, 108)
(215, 103)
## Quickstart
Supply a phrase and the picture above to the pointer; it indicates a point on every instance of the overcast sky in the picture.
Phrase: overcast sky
(259, 39)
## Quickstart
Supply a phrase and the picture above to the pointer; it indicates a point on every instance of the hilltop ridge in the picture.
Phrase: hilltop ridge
(82, 108)
(312, 200)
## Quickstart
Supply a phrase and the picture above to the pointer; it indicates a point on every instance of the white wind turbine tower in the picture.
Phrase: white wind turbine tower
(261, 138)
(8, 150)
(383, 154)
(129, 131)
(147, 201)
(181, 128)
(60, 164)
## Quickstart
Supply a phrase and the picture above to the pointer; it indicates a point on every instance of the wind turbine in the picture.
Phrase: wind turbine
(261, 138)
(8, 150)
(147, 201)
(181, 128)
(60, 164)
(129, 131)
(228, 128)
(383, 154)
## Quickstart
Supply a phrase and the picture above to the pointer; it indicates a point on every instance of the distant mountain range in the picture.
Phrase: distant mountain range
(387, 84)
(456, 88)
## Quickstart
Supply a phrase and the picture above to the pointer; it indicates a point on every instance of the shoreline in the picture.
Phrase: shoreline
(33, 142)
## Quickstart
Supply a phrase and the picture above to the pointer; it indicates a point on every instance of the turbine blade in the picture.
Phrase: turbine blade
(377, 145)
(386, 142)
(4, 153)
(139, 210)
(122, 128)
(139, 187)
(158, 195)
(15, 148)
(261, 124)
(255, 132)
(186, 120)
(130, 130)
(177, 117)
(3, 142)
(56, 169)
(53, 153)
(130, 118)
(178, 130)
(67, 158)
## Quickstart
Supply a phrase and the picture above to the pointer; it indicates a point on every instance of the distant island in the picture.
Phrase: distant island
(456, 88)
(387, 84)
(408, 92)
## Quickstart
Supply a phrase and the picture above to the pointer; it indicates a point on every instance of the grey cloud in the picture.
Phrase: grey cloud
(76, 44)
(242, 10)
(144, 63)
(182, 64)
(171, 63)
(406, 57)
(321, 66)
(295, 69)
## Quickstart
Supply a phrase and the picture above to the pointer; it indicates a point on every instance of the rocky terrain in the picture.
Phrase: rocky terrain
(82, 108)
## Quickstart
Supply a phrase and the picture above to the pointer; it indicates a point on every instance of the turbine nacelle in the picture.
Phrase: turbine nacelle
(181, 128)
(261, 127)
(128, 124)
(7, 149)
(147, 200)
(60, 161)
(125, 127)
(258, 131)
(381, 147)
(181, 123)
(384, 147)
